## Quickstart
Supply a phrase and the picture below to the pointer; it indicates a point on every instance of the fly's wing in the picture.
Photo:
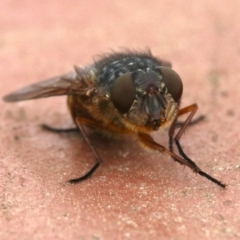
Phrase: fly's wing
(74, 82)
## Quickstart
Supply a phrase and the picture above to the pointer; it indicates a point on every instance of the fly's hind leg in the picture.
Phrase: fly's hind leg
(58, 130)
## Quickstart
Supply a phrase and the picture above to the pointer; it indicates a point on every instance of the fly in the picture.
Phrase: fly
(127, 92)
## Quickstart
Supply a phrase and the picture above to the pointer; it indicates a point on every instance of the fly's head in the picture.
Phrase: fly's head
(148, 97)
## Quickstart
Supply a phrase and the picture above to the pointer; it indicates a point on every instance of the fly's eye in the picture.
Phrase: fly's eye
(123, 93)
(172, 82)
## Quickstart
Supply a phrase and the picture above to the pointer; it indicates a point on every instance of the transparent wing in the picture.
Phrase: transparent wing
(71, 83)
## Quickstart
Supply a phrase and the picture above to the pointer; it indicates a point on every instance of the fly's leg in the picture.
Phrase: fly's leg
(150, 143)
(193, 122)
(90, 123)
(192, 109)
(177, 124)
(58, 130)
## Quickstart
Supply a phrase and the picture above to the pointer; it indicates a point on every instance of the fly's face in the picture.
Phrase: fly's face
(148, 97)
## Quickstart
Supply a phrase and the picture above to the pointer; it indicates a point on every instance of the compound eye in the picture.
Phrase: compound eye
(123, 93)
(173, 82)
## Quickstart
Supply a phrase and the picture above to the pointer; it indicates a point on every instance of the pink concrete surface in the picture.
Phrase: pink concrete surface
(135, 194)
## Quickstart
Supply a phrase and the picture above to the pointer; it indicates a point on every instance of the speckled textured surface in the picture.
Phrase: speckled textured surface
(135, 194)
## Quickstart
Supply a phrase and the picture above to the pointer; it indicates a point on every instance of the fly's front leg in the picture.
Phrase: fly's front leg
(192, 109)
(171, 134)
(150, 143)
(193, 122)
